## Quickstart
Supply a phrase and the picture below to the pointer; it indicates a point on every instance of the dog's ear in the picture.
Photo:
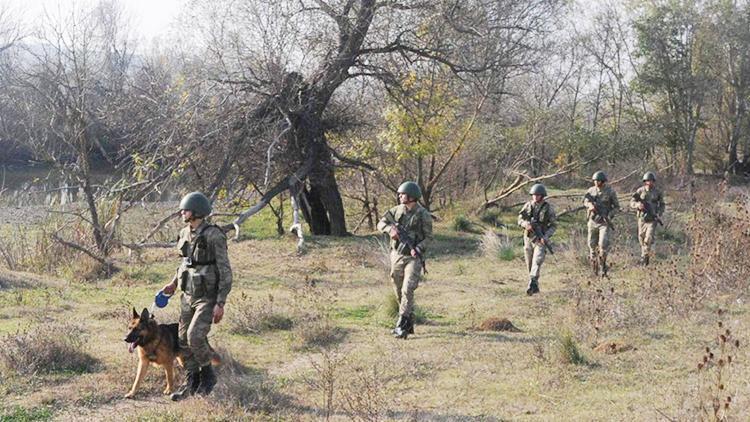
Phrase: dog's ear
(144, 314)
(135, 314)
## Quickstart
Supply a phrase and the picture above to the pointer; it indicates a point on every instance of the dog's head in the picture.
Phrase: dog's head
(139, 329)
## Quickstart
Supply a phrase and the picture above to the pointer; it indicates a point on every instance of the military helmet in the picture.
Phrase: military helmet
(197, 203)
(411, 189)
(649, 176)
(538, 189)
(599, 176)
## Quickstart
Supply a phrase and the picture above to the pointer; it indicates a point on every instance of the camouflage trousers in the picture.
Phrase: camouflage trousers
(534, 254)
(196, 316)
(406, 272)
(646, 236)
(598, 239)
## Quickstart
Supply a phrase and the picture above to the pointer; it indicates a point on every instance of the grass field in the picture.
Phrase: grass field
(306, 337)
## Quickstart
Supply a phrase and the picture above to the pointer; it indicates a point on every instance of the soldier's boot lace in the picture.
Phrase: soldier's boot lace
(533, 286)
(208, 380)
(188, 387)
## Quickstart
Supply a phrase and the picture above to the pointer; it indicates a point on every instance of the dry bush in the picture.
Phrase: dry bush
(240, 390)
(255, 317)
(47, 348)
(718, 235)
(313, 310)
(328, 373)
(715, 390)
(33, 250)
(364, 396)
(493, 245)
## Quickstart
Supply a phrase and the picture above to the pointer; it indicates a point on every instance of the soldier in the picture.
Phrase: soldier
(205, 280)
(407, 263)
(601, 202)
(648, 202)
(539, 220)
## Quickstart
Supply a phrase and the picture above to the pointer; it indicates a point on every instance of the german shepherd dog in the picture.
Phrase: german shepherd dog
(158, 345)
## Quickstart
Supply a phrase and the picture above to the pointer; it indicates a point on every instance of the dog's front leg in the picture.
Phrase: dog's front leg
(142, 368)
(169, 371)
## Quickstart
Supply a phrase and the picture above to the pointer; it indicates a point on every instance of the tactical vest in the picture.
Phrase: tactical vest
(199, 273)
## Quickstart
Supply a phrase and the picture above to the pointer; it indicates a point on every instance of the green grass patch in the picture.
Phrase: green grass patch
(21, 414)
(357, 313)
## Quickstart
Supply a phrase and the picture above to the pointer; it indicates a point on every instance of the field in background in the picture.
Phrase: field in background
(306, 337)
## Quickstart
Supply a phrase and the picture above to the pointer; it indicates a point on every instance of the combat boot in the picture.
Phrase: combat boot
(208, 380)
(410, 328)
(402, 329)
(533, 286)
(594, 265)
(644, 261)
(188, 387)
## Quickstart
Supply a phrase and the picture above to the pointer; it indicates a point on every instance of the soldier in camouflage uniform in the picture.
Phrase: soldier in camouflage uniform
(536, 212)
(601, 202)
(406, 267)
(648, 201)
(205, 278)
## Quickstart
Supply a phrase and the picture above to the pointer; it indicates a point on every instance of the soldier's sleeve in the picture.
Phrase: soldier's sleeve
(426, 231)
(219, 240)
(524, 211)
(551, 220)
(383, 225)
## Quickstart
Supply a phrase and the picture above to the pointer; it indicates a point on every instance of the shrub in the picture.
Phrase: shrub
(462, 224)
(254, 317)
(569, 351)
(45, 349)
(493, 245)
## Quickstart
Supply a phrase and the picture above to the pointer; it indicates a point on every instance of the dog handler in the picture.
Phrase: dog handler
(205, 278)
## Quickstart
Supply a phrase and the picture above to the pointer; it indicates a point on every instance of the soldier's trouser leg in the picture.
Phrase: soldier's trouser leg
(397, 274)
(593, 239)
(535, 254)
(195, 323)
(604, 232)
(405, 274)
(646, 236)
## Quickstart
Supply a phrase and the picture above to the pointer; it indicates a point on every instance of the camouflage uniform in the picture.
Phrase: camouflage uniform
(599, 231)
(647, 224)
(406, 270)
(535, 252)
(205, 278)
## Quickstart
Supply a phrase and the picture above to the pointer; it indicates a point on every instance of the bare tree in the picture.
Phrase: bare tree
(293, 56)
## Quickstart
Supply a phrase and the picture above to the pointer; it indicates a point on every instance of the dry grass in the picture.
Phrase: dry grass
(47, 348)
(540, 374)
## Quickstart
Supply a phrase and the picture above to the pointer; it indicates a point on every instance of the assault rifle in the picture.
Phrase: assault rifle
(405, 239)
(598, 209)
(536, 227)
(647, 210)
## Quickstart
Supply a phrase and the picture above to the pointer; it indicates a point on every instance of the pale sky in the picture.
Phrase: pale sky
(148, 18)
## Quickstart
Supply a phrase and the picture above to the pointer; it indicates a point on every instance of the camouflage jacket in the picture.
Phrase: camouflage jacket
(417, 223)
(205, 271)
(653, 197)
(605, 197)
(543, 212)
